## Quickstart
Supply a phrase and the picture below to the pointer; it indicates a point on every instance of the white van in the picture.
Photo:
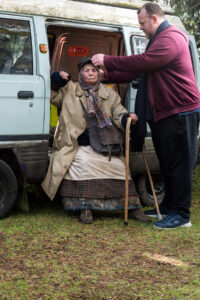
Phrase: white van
(38, 37)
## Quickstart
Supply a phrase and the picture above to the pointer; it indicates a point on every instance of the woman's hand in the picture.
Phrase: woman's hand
(102, 74)
(64, 75)
(134, 118)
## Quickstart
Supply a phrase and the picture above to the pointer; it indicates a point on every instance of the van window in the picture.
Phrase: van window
(15, 47)
(138, 44)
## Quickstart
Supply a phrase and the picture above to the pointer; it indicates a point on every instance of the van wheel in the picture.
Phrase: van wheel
(8, 189)
(144, 189)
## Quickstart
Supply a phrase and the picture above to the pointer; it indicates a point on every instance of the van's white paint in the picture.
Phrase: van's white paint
(101, 11)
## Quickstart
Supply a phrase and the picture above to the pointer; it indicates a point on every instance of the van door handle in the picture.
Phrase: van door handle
(25, 94)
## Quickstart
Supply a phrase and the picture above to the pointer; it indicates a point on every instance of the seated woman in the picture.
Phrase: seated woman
(87, 179)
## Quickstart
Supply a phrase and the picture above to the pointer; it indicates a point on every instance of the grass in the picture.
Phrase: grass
(47, 253)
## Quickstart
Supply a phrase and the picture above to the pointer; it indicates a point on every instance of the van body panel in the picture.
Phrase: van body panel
(75, 24)
(24, 96)
(43, 67)
(97, 12)
(33, 161)
(195, 59)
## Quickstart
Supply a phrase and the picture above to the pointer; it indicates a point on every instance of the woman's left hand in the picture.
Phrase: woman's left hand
(64, 75)
(134, 118)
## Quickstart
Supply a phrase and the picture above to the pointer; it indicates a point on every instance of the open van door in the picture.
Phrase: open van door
(23, 88)
(131, 94)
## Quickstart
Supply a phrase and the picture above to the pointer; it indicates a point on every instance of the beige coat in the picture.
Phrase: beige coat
(71, 125)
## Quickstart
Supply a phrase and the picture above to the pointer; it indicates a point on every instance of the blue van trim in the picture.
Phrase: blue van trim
(26, 137)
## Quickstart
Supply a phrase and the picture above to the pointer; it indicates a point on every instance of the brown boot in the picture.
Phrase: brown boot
(86, 216)
(138, 215)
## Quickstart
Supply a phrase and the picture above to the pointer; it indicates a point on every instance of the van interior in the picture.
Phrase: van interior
(69, 45)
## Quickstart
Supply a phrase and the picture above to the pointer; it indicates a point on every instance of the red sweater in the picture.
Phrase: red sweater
(172, 86)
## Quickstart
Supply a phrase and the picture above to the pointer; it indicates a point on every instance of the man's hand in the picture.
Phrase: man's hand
(64, 75)
(98, 60)
(134, 118)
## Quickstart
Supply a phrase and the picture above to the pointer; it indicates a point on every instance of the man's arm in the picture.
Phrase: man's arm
(163, 50)
(119, 77)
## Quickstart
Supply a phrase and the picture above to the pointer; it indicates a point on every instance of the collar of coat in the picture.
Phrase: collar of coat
(102, 93)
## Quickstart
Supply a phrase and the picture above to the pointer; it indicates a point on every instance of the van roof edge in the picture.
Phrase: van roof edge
(129, 4)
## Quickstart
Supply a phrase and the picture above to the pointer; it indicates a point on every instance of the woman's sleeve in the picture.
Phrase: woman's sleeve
(57, 81)
(57, 97)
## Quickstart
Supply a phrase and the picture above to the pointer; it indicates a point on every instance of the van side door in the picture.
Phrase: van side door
(23, 86)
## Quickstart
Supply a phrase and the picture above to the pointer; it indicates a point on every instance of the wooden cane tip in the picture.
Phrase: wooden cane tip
(126, 223)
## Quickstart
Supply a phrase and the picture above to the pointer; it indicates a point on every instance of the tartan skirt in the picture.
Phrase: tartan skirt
(98, 194)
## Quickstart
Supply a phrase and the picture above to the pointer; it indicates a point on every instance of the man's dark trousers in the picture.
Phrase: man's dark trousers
(174, 139)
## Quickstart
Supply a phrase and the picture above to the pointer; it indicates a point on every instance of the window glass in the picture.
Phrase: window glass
(15, 47)
(138, 44)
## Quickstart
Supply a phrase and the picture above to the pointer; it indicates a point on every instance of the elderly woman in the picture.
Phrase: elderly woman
(87, 179)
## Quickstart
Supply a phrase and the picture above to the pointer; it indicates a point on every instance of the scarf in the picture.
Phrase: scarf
(94, 106)
(142, 104)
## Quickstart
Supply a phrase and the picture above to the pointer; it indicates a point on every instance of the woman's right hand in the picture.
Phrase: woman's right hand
(64, 75)
(102, 74)
(134, 118)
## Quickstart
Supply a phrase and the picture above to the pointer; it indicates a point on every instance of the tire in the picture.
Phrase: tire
(144, 189)
(8, 189)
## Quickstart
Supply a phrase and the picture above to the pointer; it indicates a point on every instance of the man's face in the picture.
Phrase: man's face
(90, 74)
(147, 24)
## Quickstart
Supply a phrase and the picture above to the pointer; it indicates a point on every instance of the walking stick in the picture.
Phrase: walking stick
(159, 216)
(127, 170)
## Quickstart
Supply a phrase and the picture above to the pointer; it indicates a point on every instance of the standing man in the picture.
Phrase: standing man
(169, 100)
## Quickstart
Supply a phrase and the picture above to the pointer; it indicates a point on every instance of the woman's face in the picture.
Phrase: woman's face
(90, 74)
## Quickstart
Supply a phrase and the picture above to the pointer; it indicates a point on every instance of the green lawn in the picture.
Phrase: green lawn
(47, 253)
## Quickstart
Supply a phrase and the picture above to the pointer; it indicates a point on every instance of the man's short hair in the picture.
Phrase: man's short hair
(152, 9)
